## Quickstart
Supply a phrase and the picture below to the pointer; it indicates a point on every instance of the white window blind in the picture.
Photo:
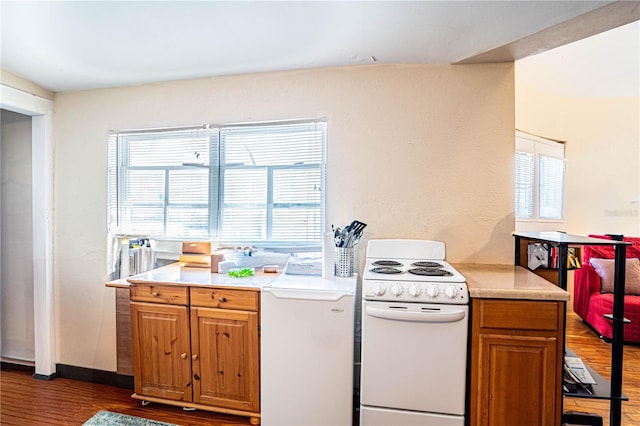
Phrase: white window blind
(248, 183)
(539, 178)
(550, 187)
(524, 184)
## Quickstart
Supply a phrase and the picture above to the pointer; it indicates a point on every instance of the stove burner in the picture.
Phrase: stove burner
(387, 263)
(426, 264)
(432, 272)
(386, 270)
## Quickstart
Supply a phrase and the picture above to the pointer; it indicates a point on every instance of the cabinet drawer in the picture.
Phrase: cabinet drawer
(225, 299)
(172, 295)
(518, 314)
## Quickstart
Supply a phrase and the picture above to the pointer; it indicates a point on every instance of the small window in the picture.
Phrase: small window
(245, 183)
(539, 178)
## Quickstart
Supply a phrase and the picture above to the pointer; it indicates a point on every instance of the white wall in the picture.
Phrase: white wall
(603, 156)
(414, 151)
(16, 289)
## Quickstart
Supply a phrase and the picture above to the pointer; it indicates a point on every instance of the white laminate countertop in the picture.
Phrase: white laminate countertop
(508, 282)
(189, 276)
(203, 277)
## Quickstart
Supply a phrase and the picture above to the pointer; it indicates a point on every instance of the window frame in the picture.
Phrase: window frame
(539, 148)
(217, 168)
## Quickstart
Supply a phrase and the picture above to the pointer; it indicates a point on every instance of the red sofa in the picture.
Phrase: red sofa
(591, 304)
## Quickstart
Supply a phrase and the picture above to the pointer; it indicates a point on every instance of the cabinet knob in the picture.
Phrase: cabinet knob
(194, 357)
(183, 356)
(222, 300)
(155, 294)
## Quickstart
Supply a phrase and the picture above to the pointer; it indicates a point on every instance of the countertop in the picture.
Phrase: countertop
(508, 282)
(201, 277)
(484, 281)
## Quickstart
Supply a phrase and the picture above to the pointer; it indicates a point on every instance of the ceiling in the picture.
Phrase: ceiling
(79, 45)
(603, 65)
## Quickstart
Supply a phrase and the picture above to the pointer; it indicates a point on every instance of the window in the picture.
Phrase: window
(539, 178)
(248, 183)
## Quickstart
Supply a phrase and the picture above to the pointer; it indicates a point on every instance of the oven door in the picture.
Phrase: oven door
(414, 356)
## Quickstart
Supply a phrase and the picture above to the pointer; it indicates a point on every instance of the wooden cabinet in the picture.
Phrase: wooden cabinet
(225, 352)
(162, 364)
(197, 347)
(516, 362)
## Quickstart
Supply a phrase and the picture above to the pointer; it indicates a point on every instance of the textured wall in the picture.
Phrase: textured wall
(602, 185)
(414, 151)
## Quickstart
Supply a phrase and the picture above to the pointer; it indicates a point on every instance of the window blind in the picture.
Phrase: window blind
(551, 187)
(273, 181)
(539, 178)
(248, 183)
(524, 184)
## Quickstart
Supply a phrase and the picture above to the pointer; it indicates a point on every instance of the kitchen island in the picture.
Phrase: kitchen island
(517, 346)
(195, 338)
(199, 340)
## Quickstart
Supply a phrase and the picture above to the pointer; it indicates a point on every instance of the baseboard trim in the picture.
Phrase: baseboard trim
(7, 364)
(94, 376)
(44, 376)
(20, 366)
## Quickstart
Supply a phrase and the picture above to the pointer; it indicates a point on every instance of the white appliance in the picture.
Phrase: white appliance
(415, 318)
(306, 360)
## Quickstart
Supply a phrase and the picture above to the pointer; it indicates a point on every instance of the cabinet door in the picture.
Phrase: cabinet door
(516, 380)
(225, 348)
(162, 362)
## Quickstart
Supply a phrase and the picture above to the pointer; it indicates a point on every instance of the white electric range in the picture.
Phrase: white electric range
(415, 317)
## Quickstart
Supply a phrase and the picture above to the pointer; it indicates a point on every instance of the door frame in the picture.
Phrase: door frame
(41, 112)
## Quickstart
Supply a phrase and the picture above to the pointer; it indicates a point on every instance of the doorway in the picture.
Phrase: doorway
(40, 110)
(17, 342)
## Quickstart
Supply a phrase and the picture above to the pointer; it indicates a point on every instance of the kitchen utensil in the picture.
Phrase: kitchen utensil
(345, 236)
(358, 226)
(349, 235)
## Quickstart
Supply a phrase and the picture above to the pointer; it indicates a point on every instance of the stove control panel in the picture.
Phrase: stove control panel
(402, 291)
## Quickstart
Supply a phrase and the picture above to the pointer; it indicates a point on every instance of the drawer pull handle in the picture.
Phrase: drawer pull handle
(194, 357)
(155, 294)
(222, 300)
(183, 356)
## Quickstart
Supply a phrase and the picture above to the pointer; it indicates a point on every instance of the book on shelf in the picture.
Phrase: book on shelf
(543, 255)
(576, 376)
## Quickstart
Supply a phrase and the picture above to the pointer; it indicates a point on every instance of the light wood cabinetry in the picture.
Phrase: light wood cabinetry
(516, 362)
(197, 347)
(162, 365)
(225, 358)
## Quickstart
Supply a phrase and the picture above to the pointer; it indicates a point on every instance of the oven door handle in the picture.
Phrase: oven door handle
(452, 315)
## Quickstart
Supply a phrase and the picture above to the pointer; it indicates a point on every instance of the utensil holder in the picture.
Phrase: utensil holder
(344, 261)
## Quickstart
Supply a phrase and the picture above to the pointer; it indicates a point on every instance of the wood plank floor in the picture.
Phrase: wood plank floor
(25, 401)
(597, 354)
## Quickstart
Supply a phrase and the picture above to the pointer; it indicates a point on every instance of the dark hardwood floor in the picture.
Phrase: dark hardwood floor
(26, 401)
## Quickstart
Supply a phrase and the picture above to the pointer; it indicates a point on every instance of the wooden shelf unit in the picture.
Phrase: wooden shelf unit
(559, 277)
